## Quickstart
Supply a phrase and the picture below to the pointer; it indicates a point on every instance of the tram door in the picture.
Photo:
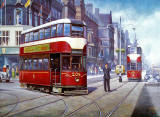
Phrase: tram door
(55, 68)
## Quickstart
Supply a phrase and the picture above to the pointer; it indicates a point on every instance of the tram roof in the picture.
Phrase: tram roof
(74, 21)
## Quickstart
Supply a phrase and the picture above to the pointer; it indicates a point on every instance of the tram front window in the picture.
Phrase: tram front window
(77, 31)
(76, 63)
(133, 66)
(133, 50)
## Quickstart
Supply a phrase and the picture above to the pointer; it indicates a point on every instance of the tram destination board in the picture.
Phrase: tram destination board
(37, 48)
(77, 51)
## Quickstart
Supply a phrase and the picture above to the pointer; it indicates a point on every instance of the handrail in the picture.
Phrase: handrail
(55, 77)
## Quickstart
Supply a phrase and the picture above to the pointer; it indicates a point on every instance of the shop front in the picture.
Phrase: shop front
(9, 58)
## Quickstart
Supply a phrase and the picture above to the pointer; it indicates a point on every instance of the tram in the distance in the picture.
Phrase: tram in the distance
(53, 57)
(134, 63)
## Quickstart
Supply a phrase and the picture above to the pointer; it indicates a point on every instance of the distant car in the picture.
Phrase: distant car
(152, 80)
(119, 69)
(4, 76)
(158, 78)
(147, 77)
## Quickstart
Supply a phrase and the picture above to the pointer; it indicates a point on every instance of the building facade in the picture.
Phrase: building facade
(15, 17)
(9, 45)
(92, 35)
(106, 37)
(37, 13)
(125, 41)
(69, 10)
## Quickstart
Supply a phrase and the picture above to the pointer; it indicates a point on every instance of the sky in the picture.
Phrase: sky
(143, 15)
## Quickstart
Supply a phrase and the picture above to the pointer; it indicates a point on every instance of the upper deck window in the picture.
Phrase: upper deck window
(60, 30)
(48, 32)
(27, 37)
(36, 35)
(53, 31)
(31, 36)
(77, 31)
(41, 34)
(67, 30)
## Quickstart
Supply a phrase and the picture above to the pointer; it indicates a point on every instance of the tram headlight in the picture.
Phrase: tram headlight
(77, 79)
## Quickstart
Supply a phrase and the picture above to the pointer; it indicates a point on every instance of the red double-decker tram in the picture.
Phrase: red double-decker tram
(53, 57)
(134, 63)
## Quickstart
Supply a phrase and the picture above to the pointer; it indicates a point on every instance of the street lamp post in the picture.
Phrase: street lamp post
(120, 53)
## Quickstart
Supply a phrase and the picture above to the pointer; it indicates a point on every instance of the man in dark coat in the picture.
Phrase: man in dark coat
(106, 77)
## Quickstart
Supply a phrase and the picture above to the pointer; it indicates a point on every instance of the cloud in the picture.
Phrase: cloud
(147, 31)
(141, 6)
(144, 15)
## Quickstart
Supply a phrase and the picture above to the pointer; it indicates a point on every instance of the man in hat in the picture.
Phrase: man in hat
(106, 77)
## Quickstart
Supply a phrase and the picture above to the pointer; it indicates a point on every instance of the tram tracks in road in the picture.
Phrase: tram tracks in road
(100, 80)
(11, 112)
(22, 100)
(39, 106)
(110, 113)
(93, 101)
(98, 107)
(14, 104)
(112, 80)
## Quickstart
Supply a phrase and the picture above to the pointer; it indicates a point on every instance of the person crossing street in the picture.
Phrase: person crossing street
(106, 77)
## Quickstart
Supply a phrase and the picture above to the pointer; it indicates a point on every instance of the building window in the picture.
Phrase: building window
(1, 17)
(93, 52)
(89, 51)
(36, 18)
(19, 16)
(18, 36)
(0, 37)
(4, 38)
(30, 17)
(102, 53)
(90, 35)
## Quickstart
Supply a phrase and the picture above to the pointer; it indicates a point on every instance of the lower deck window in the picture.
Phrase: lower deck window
(34, 64)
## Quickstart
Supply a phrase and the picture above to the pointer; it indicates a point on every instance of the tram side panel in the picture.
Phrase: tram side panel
(35, 77)
(74, 79)
(134, 74)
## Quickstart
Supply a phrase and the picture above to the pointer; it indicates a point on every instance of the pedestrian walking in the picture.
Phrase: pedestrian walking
(106, 77)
